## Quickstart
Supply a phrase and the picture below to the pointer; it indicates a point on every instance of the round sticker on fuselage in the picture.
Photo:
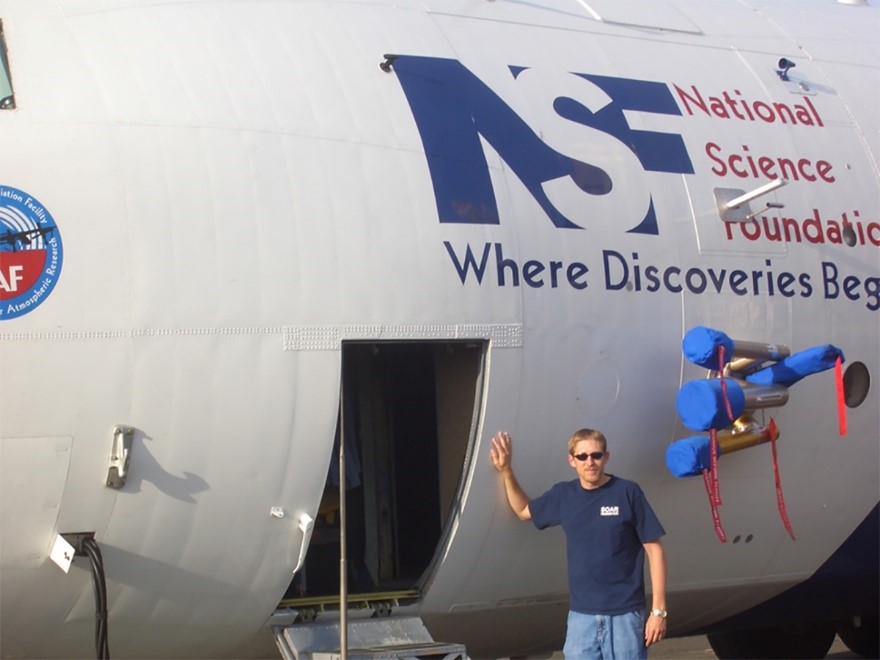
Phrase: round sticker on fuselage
(30, 253)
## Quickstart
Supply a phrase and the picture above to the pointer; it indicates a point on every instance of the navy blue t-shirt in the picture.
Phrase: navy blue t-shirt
(604, 530)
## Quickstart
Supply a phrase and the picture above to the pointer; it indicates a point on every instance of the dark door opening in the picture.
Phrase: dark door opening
(410, 411)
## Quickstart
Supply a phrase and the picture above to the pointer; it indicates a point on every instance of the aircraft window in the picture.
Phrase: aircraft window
(856, 383)
(7, 100)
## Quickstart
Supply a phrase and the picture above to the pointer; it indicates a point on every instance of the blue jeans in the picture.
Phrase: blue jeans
(605, 637)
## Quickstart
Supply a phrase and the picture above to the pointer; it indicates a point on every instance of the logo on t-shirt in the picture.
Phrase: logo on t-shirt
(609, 511)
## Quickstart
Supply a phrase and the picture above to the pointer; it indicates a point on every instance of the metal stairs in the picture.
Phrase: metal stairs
(401, 638)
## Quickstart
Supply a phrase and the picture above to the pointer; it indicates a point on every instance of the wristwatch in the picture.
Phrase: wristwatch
(660, 613)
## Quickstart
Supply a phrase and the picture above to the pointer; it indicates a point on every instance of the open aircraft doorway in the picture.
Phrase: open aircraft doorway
(409, 419)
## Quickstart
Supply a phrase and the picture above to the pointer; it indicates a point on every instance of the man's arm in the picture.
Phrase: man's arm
(501, 459)
(655, 626)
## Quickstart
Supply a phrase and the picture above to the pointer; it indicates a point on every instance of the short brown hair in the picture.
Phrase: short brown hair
(586, 434)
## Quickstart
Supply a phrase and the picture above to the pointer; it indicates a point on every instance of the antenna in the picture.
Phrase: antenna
(733, 204)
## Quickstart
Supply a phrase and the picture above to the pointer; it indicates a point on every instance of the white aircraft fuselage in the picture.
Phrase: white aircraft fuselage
(204, 205)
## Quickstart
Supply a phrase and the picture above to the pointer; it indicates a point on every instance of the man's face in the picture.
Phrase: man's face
(590, 471)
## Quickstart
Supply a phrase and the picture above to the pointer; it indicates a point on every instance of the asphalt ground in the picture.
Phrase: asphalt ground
(694, 648)
(688, 648)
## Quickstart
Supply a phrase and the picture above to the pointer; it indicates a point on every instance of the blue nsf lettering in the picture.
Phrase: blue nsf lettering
(621, 272)
(852, 286)
(534, 273)
(454, 109)
(489, 265)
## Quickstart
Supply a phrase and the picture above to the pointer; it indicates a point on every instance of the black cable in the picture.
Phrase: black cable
(93, 551)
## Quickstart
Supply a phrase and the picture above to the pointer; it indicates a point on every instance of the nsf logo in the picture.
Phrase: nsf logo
(569, 142)
(30, 253)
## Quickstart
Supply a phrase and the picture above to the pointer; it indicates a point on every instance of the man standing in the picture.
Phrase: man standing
(609, 528)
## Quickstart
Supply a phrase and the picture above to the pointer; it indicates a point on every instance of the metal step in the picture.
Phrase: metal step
(403, 638)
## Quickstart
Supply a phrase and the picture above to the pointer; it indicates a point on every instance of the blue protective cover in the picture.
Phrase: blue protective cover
(700, 346)
(790, 370)
(688, 457)
(700, 403)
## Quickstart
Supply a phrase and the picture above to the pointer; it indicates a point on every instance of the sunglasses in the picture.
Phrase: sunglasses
(596, 456)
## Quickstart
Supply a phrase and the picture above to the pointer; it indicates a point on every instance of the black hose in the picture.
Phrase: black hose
(93, 551)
